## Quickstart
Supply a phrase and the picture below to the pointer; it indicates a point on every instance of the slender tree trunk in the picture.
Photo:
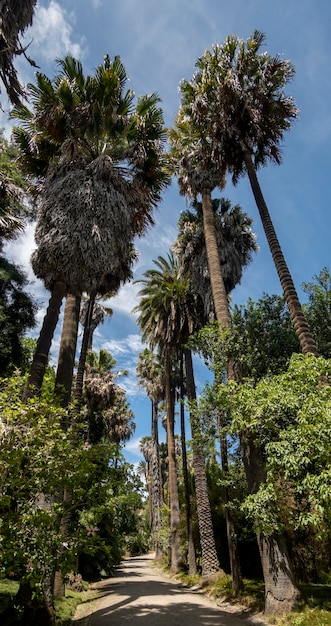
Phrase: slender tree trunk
(210, 562)
(230, 525)
(223, 317)
(78, 393)
(67, 352)
(176, 558)
(63, 385)
(156, 494)
(40, 359)
(281, 591)
(192, 564)
(299, 321)
(220, 297)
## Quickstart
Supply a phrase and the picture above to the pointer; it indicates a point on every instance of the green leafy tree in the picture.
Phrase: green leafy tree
(38, 461)
(17, 315)
(318, 310)
(290, 416)
(262, 339)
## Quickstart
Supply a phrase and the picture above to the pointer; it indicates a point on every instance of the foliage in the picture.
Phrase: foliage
(235, 243)
(169, 310)
(318, 310)
(262, 339)
(234, 102)
(65, 607)
(15, 19)
(290, 417)
(13, 192)
(38, 461)
(17, 314)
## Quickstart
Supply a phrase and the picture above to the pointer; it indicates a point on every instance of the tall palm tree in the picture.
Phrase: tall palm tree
(150, 374)
(112, 170)
(232, 119)
(169, 314)
(15, 17)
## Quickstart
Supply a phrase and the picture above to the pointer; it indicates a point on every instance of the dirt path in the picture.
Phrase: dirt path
(142, 595)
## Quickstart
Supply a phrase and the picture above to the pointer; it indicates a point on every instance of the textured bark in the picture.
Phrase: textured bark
(281, 591)
(156, 493)
(299, 321)
(67, 352)
(215, 273)
(40, 358)
(230, 525)
(192, 564)
(176, 558)
(210, 562)
(78, 393)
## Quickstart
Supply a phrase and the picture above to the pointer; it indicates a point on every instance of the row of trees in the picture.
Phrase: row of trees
(95, 159)
(232, 118)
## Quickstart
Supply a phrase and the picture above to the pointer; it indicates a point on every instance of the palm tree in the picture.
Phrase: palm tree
(235, 243)
(169, 314)
(112, 170)
(109, 416)
(232, 119)
(150, 374)
(15, 18)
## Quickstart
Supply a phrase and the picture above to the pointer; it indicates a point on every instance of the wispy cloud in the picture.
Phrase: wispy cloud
(52, 34)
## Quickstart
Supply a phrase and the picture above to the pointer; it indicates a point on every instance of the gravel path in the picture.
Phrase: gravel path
(142, 595)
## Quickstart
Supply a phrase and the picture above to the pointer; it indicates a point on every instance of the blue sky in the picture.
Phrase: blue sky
(159, 43)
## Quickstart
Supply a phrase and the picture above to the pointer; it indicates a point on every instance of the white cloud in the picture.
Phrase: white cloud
(129, 345)
(132, 446)
(52, 34)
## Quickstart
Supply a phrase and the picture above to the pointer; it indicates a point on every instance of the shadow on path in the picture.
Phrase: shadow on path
(141, 595)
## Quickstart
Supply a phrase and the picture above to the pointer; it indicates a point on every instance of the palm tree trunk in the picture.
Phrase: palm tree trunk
(67, 352)
(210, 562)
(156, 494)
(223, 317)
(215, 273)
(78, 393)
(40, 358)
(281, 591)
(299, 321)
(192, 564)
(63, 385)
(176, 559)
(237, 582)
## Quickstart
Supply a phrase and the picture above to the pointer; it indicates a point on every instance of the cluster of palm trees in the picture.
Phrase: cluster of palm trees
(231, 121)
(98, 161)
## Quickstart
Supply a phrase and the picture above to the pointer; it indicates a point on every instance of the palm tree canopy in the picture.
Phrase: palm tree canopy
(84, 226)
(235, 239)
(95, 115)
(234, 101)
(169, 311)
(15, 17)
(150, 373)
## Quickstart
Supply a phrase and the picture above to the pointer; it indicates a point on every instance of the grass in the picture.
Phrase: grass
(65, 607)
(8, 589)
(315, 611)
